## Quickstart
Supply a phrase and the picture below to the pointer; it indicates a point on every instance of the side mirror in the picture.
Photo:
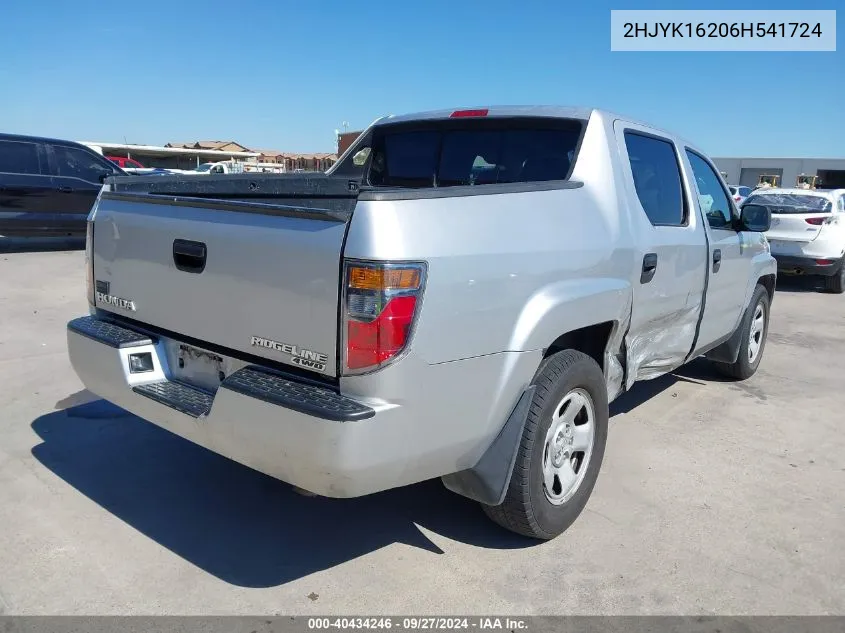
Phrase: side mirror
(105, 175)
(756, 218)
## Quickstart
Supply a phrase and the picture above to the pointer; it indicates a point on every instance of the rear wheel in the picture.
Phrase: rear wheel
(561, 451)
(755, 328)
(836, 283)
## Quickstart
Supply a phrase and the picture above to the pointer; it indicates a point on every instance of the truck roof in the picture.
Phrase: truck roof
(41, 139)
(560, 111)
(496, 111)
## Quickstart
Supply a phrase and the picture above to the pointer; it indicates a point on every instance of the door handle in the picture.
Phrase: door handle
(717, 260)
(649, 268)
(189, 256)
(66, 189)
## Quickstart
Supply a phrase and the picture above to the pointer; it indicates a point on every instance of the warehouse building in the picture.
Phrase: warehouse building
(747, 171)
(191, 154)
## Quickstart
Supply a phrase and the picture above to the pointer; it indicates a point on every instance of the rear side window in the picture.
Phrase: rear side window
(449, 154)
(19, 157)
(657, 178)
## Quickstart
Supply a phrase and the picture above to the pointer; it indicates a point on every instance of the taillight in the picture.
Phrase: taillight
(737, 198)
(381, 305)
(817, 221)
(89, 260)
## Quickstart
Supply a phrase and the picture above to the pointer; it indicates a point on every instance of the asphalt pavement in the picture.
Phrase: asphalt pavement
(715, 497)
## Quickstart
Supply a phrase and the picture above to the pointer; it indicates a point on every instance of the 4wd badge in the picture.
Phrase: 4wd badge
(302, 357)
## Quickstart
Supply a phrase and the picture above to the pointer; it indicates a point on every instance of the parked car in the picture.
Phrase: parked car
(152, 171)
(48, 186)
(807, 236)
(739, 193)
(123, 162)
(219, 167)
(389, 321)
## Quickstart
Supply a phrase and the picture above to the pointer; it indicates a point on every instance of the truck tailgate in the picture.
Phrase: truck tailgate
(259, 278)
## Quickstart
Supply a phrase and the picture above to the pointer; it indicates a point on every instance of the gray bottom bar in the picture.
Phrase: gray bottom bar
(557, 624)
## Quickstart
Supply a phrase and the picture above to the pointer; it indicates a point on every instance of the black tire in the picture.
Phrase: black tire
(836, 283)
(526, 509)
(743, 367)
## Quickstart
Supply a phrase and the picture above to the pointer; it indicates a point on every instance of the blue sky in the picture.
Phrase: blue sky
(284, 75)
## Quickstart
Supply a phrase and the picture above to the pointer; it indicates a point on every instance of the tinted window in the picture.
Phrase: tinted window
(408, 160)
(73, 162)
(744, 191)
(18, 157)
(714, 202)
(476, 153)
(657, 178)
(733, 190)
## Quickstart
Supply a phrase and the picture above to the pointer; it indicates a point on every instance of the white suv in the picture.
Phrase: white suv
(807, 236)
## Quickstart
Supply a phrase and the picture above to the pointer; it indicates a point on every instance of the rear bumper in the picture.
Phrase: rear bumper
(310, 435)
(788, 264)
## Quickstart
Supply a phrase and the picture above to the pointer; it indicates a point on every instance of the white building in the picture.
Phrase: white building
(747, 171)
(170, 157)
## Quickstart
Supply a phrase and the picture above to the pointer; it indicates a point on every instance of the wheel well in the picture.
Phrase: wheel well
(591, 340)
(768, 282)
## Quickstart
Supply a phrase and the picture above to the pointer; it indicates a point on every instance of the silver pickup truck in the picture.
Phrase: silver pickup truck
(461, 296)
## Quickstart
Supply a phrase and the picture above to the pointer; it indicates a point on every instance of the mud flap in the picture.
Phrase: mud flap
(488, 480)
(728, 351)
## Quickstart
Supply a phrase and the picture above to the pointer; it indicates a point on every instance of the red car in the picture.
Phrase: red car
(123, 162)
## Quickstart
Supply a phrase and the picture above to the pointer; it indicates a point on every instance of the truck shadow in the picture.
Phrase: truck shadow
(698, 371)
(235, 523)
(244, 527)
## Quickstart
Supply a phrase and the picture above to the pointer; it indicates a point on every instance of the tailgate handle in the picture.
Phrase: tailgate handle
(189, 256)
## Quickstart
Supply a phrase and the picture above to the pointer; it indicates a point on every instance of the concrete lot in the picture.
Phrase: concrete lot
(715, 497)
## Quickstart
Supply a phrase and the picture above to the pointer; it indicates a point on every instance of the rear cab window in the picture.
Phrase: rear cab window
(462, 152)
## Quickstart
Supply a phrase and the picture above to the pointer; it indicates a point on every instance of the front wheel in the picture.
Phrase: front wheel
(755, 329)
(561, 450)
